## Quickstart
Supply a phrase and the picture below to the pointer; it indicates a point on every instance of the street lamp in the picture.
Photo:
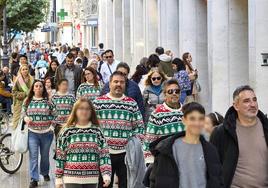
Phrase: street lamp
(5, 58)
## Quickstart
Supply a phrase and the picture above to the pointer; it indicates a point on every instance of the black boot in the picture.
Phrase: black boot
(46, 178)
(33, 184)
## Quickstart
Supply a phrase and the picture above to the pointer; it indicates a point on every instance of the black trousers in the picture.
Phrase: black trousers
(119, 168)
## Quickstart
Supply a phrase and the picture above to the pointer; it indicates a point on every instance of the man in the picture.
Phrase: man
(165, 119)
(101, 50)
(8, 78)
(132, 88)
(186, 159)
(242, 142)
(33, 56)
(23, 60)
(165, 64)
(5, 96)
(73, 51)
(71, 72)
(109, 67)
(120, 119)
(15, 64)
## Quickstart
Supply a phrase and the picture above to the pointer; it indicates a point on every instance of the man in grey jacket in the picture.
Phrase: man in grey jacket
(71, 72)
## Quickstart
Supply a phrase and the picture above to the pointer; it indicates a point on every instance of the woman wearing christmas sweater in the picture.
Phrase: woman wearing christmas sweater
(63, 102)
(39, 115)
(82, 153)
(90, 87)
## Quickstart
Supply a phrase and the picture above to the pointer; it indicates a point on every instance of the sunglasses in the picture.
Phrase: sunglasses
(172, 91)
(156, 78)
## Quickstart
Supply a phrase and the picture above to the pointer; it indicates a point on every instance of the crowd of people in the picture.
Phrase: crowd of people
(143, 130)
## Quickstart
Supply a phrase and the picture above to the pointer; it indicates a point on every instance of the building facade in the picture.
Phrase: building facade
(225, 37)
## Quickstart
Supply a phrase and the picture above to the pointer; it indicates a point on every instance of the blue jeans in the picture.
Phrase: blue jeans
(43, 142)
(183, 97)
(7, 102)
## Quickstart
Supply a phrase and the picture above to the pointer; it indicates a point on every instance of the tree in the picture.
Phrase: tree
(24, 15)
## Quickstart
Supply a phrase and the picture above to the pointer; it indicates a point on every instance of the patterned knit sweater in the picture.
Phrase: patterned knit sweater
(88, 91)
(119, 119)
(63, 105)
(42, 113)
(81, 155)
(163, 121)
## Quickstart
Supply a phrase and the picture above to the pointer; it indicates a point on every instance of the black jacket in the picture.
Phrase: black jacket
(224, 138)
(165, 173)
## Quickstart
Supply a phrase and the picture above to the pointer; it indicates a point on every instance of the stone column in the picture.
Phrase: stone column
(126, 30)
(102, 21)
(118, 31)
(227, 50)
(151, 26)
(258, 29)
(109, 25)
(168, 28)
(137, 34)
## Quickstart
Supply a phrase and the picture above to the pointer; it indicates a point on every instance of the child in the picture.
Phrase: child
(211, 121)
(186, 159)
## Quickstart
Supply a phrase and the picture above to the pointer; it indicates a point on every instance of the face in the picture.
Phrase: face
(23, 60)
(69, 61)
(194, 122)
(54, 66)
(5, 70)
(74, 53)
(123, 70)
(89, 76)
(38, 89)
(172, 94)
(48, 84)
(94, 65)
(109, 57)
(63, 87)
(24, 71)
(246, 104)
(189, 59)
(83, 112)
(174, 67)
(117, 85)
(156, 79)
(208, 125)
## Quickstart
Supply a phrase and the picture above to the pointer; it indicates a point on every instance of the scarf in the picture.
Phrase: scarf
(157, 89)
(22, 83)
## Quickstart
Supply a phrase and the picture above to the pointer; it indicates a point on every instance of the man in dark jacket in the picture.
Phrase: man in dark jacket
(132, 88)
(186, 159)
(242, 142)
(71, 72)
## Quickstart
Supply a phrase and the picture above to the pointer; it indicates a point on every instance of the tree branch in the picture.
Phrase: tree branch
(12, 38)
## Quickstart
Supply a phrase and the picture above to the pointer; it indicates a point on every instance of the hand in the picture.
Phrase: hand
(106, 183)
(27, 120)
(59, 186)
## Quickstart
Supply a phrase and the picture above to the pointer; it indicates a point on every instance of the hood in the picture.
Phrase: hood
(165, 58)
(149, 89)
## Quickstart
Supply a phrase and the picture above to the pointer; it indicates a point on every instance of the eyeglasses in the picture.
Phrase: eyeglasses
(156, 78)
(109, 56)
(172, 91)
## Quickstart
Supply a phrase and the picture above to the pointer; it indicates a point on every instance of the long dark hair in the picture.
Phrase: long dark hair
(180, 64)
(50, 71)
(184, 58)
(95, 76)
(140, 71)
(215, 118)
(31, 92)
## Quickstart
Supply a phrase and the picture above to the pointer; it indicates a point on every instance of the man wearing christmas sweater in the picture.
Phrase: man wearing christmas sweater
(166, 119)
(120, 119)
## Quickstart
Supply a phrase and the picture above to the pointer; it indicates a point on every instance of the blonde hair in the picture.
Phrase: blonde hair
(72, 120)
(148, 81)
(20, 75)
(86, 52)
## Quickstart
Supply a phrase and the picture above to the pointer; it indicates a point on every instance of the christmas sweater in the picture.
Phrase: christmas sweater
(81, 155)
(88, 91)
(163, 121)
(119, 119)
(63, 105)
(42, 113)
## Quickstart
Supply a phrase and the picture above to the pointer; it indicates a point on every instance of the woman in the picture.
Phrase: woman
(20, 91)
(152, 93)
(63, 102)
(52, 71)
(153, 61)
(94, 64)
(193, 75)
(48, 84)
(212, 120)
(38, 113)
(41, 68)
(140, 73)
(84, 59)
(81, 142)
(90, 87)
(182, 76)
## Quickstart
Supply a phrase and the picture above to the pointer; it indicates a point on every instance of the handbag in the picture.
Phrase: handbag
(20, 137)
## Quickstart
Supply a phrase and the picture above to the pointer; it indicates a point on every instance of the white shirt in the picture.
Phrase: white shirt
(106, 72)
